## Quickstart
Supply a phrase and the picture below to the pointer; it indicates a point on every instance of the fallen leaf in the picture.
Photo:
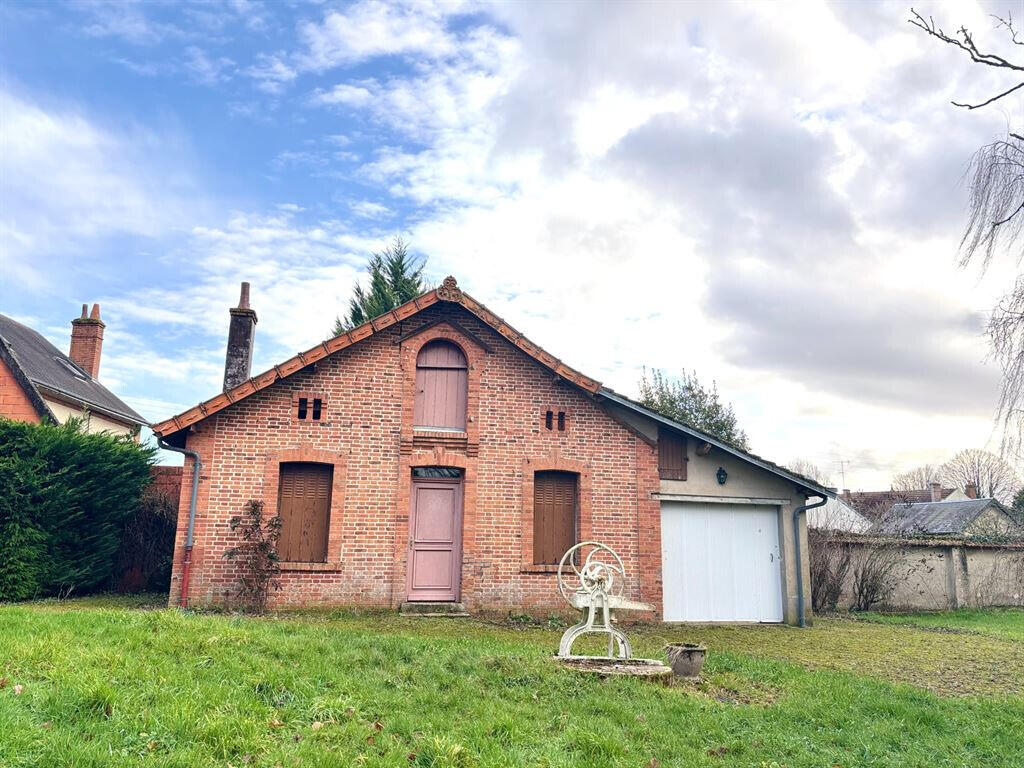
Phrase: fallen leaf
(378, 726)
(350, 711)
(48, 724)
(151, 745)
(3, 682)
(641, 718)
(654, 763)
(108, 710)
(18, 689)
(275, 723)
(719, 752)
(297, 737)
(412, 757)
(317, 725)
(371, 740)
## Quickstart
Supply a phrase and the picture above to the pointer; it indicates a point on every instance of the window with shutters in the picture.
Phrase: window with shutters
(671, 455)
(441, 388)
(554, 515)
(304, 503)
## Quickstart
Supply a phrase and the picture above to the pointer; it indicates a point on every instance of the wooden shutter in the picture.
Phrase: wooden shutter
(441, 386)
(554, 515)
(671, 455)
(304, 504)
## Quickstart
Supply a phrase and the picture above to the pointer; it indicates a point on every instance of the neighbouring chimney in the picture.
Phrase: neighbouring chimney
(936, 490)
(87, 340)
(971, 490)
(238, 361)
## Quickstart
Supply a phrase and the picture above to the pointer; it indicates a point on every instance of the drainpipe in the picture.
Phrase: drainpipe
(800, 608)
(197, 466)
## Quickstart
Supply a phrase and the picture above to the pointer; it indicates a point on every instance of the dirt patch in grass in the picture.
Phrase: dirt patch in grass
(948, 664)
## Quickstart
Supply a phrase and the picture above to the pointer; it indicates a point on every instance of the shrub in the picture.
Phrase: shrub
(830, 562)
(64, 497)
(874, 576)
(256, 555)
(143, 562)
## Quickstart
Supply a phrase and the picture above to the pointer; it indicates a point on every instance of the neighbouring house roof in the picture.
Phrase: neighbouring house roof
(50, 372)
(837, 515)
(934, 518)
(449, 292)
(874, 503)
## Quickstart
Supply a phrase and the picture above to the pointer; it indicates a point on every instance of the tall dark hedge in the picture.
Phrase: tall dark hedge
(64, 498)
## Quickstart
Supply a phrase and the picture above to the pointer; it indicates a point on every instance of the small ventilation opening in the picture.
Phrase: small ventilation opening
(303, 407)
(561, 421)
(548, 417)
(317, 408)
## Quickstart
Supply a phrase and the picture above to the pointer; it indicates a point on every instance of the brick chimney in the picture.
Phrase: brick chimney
(971, 491)
(87, 340)
(241, 332)
(936, 489)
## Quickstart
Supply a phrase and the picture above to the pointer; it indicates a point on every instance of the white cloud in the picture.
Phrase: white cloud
(343, 93)
(64, 178)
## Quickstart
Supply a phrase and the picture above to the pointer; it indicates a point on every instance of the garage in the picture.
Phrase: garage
(720, 562)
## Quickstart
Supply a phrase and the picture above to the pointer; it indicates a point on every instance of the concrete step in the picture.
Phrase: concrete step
(450, 610)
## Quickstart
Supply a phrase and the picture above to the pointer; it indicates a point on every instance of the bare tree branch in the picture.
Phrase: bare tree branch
(986, 103)
(965, 44)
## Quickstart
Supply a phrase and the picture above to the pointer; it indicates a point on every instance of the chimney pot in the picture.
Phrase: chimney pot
(241, 332)
(971, 491)
(87, 340)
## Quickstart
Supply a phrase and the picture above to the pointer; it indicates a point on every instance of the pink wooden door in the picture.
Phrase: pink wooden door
(435, 540)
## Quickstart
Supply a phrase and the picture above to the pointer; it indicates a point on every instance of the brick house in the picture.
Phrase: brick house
(38, 382)
(434, 454)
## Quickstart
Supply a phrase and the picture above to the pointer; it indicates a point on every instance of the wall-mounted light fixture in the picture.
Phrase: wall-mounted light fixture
(722, 475)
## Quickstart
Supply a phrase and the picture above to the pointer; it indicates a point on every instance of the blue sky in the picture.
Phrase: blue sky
(767, 193)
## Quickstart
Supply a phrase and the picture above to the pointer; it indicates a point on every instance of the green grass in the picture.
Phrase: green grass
(1001, 622)
(108, 685)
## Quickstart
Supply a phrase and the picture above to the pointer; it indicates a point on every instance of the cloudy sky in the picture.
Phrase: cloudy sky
(767, 193)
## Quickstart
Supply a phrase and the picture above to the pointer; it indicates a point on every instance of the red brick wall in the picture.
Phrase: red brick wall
(14, 403)
(165, 481)
(368, 390)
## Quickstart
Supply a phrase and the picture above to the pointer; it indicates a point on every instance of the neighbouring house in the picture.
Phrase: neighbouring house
(966, 518)
(39, 382)
(876, 504)
(838, 516)
(434, 454)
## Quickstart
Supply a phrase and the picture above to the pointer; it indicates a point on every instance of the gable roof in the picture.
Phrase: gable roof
(450, 292)
(752, 458)
(867, 502)
(49, 371)
(936, 517)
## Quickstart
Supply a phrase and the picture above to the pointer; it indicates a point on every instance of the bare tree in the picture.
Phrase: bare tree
(811, 470)
(991, 475)
(916, 479)
(996, 218)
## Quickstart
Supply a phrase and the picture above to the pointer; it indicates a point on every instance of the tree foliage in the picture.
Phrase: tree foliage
(256, 556)
(687, 400)
(917, 479)
(995, 222)
(395, 278)
(991, 475)
(64, 498)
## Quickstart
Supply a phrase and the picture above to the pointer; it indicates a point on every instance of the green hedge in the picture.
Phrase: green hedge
(65, 497)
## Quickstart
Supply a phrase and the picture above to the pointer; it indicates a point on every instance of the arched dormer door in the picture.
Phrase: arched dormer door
(441, 387)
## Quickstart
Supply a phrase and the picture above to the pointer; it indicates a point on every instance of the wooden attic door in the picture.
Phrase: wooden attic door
(304, 504)
(441, 387)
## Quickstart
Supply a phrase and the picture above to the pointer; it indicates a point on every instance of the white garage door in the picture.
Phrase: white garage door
(720, 562)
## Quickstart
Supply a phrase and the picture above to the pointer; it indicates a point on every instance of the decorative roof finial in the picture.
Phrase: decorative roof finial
(449, 290)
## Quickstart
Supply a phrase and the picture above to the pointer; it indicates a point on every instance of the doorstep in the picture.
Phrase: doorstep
(451, 610)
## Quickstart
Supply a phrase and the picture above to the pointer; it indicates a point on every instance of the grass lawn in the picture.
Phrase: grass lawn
(1002, 622)
(107, 683)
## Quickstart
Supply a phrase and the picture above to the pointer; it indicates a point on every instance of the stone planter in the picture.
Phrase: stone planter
(686, 659)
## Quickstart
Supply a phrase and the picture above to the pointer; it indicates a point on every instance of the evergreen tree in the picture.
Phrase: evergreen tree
(687, 400)
(395, 278)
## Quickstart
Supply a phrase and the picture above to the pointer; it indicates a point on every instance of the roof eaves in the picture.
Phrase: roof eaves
(739, 453)
(130, 417)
